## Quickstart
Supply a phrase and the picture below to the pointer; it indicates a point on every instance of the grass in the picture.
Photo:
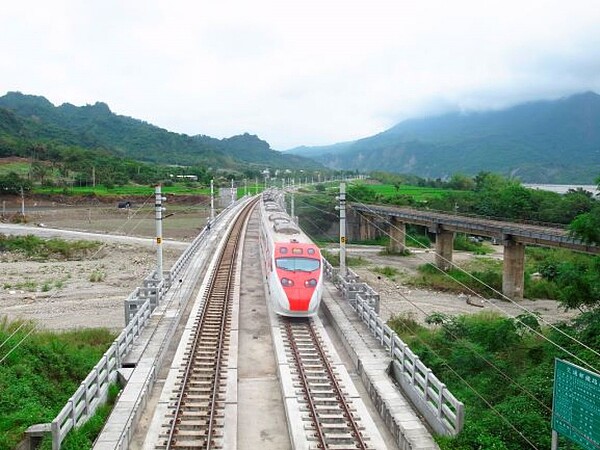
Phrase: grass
(462, 242)
(492, 357)
(387, 271)
(128, 190)
(43, 371)
(416, 192)
(84, 436)
(97, 276)
(351, 261)
(20, 168)
(455, 280)
(38, 248)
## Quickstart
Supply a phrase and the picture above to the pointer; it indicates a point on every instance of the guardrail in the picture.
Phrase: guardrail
(93, 391)
(442, 411)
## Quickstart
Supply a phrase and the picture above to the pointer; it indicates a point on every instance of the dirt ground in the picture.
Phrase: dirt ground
(90, 293)
(62, 295)
(398, 298)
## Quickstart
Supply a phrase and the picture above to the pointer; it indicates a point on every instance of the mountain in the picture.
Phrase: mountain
(96, 126)
(545, 142)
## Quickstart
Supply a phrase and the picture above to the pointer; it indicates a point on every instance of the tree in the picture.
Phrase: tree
(12, 183)
(40, 171)
(587, 226)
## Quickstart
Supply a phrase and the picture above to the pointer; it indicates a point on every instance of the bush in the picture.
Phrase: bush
(500, 360)
(40, 375)
(387, 271)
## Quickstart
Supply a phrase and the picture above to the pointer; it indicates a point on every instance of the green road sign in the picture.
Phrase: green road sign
(576, 404)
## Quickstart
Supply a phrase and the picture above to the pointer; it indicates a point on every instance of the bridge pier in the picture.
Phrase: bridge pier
(367, 230)
(444, 241)
(513, 276)
(397, 235)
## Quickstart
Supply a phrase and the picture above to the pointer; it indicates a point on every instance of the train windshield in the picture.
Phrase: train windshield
(298, 264)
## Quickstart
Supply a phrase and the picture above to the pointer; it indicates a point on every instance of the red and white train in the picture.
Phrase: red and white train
(293, 265)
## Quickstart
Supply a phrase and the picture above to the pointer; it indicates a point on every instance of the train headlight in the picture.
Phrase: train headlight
(286, 282)
(310, 283)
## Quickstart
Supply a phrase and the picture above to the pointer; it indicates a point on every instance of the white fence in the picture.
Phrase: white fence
(443, 412)
(93, 390)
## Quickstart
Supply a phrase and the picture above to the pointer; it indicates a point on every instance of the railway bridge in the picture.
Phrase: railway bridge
(367, 221)
(205, 363)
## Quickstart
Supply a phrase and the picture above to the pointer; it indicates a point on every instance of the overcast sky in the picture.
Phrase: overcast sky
(303, 72)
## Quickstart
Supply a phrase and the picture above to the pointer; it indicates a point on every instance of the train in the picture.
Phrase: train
(292, 262)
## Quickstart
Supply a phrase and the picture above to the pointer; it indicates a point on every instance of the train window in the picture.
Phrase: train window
(283, 250)
(298, 264)
(297, 251)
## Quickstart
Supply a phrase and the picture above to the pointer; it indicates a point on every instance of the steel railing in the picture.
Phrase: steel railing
(442, 411)
(93, 391)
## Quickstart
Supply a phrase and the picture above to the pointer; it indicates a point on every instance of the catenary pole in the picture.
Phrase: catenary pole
(342, 208)
(158, 216)
(212, 200)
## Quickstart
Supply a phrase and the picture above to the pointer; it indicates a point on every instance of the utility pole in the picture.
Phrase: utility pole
(212, 200)
(22, 203)
(342, 209)
(232, 195)
(94, 175)
(158, 209)
(292, 206)
(245, 187)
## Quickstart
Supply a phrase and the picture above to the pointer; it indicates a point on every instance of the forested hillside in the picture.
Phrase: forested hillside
(546, 142)
(34, 118)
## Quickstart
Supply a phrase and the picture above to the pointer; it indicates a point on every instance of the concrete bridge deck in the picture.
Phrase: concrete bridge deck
(367, 221)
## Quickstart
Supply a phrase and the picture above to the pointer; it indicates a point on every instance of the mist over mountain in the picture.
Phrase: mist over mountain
(94, 126)
(545, 142)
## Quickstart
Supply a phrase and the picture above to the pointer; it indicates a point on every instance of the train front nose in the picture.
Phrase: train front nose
(299, 298)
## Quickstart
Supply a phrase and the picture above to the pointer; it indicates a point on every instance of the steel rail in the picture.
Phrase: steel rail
(217, 304)
(331, 378)
(339, 394)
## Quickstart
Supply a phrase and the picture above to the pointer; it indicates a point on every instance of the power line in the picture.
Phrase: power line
(495, 291)
(101, 247)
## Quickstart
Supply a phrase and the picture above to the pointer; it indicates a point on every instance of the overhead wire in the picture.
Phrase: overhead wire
(468, 288)
(100, 248)
(491, 364)
(478, 354)
(477, 393)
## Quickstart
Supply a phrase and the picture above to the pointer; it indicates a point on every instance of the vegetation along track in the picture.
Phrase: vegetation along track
(197, 417)
(331, 420)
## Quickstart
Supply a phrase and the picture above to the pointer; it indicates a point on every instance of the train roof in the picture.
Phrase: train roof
(278, 222)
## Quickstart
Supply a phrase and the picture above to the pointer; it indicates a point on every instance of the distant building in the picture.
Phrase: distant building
(187, 177)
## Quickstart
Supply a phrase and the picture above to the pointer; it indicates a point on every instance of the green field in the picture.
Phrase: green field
(20, 168)
(121, 190)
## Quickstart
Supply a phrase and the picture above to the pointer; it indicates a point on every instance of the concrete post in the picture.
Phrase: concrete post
(443, 249)
(397, 235)
(363, 227)
(367, 229)
(212, 201)
(158, 209)
(342, 208)
(513, 276)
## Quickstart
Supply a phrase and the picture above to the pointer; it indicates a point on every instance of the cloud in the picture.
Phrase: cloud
(296, 73)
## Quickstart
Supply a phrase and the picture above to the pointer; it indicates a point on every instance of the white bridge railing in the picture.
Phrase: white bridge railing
(443, 412)
(93, 391)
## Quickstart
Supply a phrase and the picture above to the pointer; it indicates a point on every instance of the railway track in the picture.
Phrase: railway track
(329, 417)
(197, 410)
